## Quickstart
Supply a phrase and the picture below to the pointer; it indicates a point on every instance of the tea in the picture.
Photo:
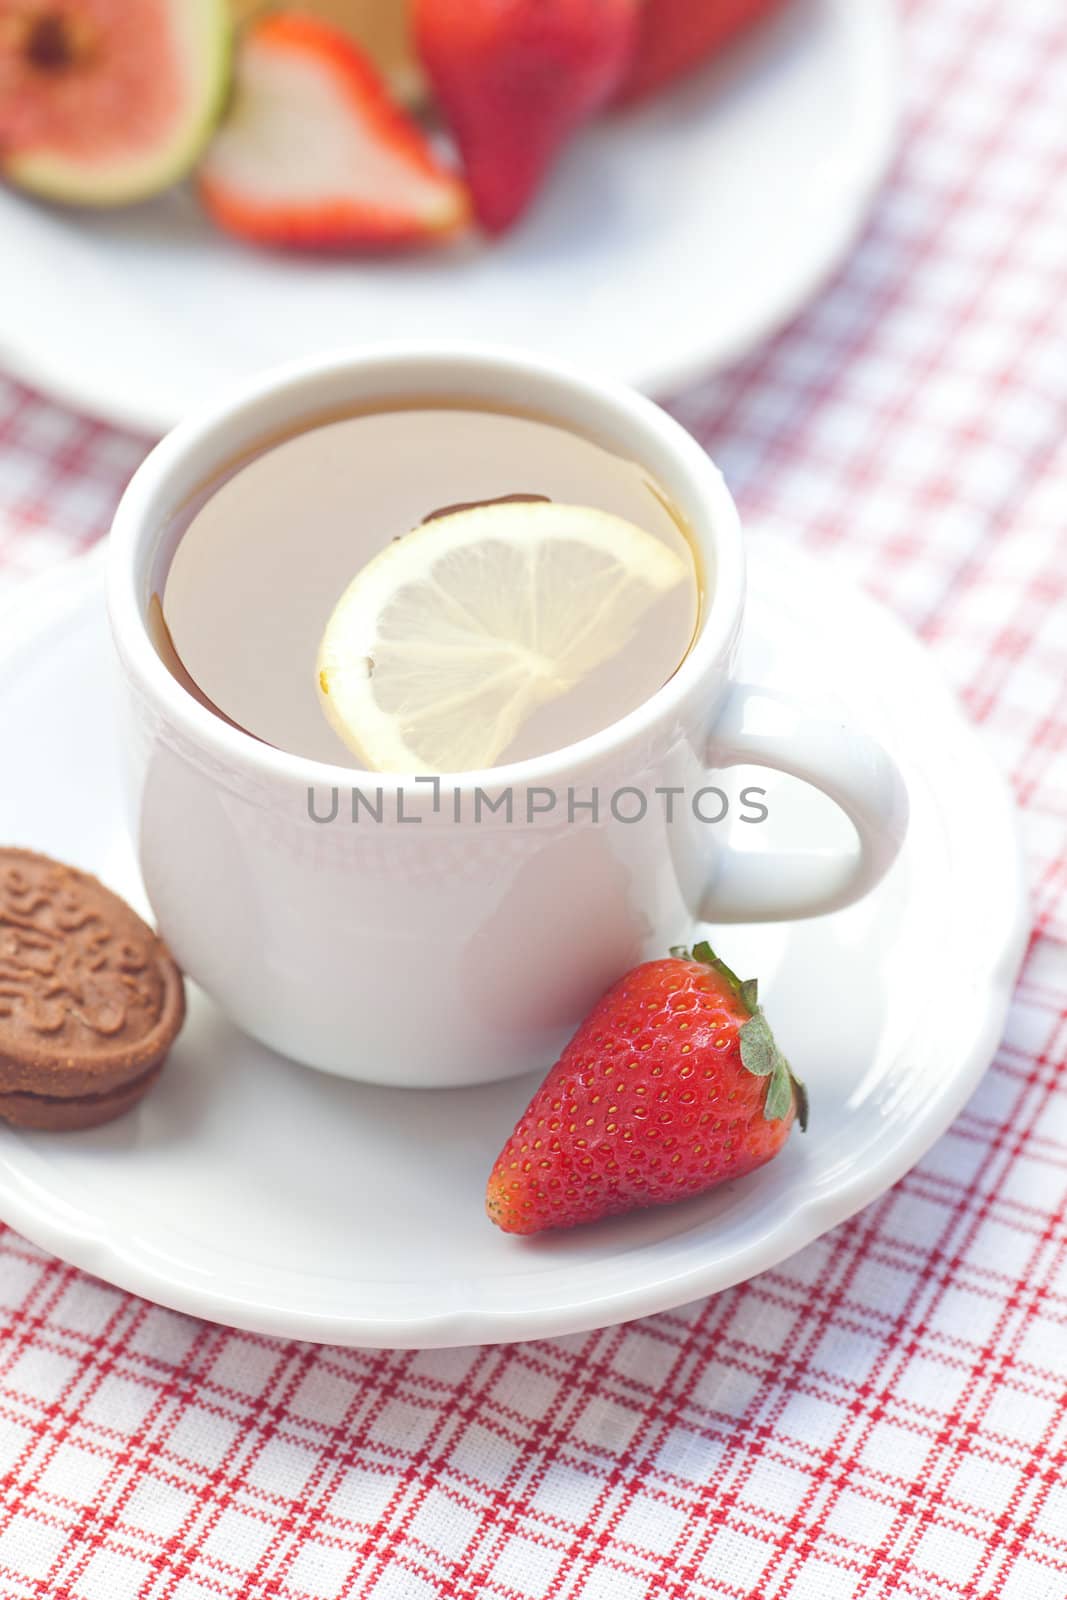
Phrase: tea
(266, 550)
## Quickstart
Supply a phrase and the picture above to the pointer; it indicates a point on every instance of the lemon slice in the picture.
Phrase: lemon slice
(444, 644)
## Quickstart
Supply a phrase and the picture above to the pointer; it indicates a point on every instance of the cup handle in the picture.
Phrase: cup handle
(763, 728)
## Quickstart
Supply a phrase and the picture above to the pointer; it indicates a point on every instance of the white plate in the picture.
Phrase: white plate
(255, 1192)
(671, 240)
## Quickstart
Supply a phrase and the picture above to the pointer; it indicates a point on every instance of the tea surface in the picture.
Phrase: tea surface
(268, 550)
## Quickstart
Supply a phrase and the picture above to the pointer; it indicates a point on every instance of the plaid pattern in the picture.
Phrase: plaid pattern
(887, 1412)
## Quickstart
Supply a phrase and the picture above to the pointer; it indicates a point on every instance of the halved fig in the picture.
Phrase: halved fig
(104, 102)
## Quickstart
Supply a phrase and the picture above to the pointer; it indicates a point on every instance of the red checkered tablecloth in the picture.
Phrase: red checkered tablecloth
(884, 1414)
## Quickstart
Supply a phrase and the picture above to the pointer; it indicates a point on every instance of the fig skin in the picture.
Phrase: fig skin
(97, 112)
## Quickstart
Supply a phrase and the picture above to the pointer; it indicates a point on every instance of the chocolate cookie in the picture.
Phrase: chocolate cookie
(51, 1114)
(90, 997)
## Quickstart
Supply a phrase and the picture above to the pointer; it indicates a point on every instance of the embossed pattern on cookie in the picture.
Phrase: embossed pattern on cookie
(90, 997)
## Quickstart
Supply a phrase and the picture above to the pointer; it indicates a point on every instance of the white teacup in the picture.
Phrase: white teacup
(444, 943)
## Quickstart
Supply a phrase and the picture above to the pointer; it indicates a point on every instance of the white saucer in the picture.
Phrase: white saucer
(670, 240)
(257, 1193)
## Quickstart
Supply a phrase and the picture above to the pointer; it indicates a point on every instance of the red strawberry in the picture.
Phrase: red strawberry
(679, 34)
(671, 1084)
(515, 78)
(313, 153)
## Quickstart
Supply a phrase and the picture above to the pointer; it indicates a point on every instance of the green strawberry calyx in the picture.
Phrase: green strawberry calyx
(760, 1054)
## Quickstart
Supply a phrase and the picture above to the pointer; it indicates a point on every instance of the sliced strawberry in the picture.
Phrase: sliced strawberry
(314, 154)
